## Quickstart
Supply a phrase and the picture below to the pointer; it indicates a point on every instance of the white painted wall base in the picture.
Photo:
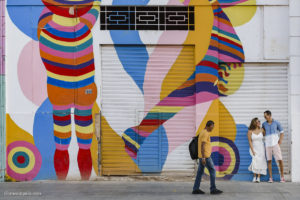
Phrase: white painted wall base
(294, 77)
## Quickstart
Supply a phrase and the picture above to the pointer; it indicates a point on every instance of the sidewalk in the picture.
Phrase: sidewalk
(144, 190)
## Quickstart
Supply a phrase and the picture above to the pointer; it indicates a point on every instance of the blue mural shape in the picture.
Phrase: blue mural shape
(25, 17)
(44, 140)
(131, 37)
(152, 155)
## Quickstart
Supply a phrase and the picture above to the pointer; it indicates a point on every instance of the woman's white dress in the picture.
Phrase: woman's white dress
(259, 163)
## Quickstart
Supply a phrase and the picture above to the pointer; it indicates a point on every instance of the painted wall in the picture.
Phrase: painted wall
(54, 83)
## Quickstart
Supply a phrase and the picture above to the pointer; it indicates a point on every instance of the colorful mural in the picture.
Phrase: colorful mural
(61, 86)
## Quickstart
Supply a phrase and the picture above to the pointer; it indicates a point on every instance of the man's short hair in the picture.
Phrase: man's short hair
(209, 123)
(268, 113)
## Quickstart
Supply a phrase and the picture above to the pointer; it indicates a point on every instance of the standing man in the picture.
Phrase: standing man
(273, 141)
(204, 152)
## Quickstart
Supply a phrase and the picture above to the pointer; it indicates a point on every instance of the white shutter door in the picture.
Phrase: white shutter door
(265, 87)
(124, 106)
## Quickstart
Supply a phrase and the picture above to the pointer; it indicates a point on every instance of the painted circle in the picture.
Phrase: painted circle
(217, 158)
(14, 167)
(23, 160)
(20, 159)
(225, 156)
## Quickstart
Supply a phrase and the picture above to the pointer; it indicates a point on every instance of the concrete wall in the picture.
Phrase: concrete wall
(294, 77)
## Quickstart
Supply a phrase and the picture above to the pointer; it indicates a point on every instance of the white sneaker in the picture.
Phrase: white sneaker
(270, 180)
(254, 179)
(258, 180)
(282, 180)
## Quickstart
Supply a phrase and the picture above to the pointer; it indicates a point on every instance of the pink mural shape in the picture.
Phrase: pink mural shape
(153, 80)
(31, 74)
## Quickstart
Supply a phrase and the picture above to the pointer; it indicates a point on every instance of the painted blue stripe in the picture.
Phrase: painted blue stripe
(200, 69)
(62, 113)
(130, 2)
(64, 34)
(83, 112)
(211, 59)
(134, 136)
(83, 123)
(70, 85)
(185, 92)
(131, 146)
(228, 44)
(94, 12)
(62, 141)
(217, 10)
(84, 141)
(161, 116)
(62, 123)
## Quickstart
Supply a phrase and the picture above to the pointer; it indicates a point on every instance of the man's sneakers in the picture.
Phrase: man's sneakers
(216, 191)
(282, 180)
(270, 180)
(198, 192)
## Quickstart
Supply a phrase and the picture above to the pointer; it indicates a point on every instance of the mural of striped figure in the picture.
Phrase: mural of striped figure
(66, 49)
(202, 86)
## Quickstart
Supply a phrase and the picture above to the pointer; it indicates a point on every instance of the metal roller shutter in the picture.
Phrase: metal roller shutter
(265, 87)
(124, 106)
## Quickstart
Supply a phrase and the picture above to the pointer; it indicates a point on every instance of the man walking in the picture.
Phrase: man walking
(204, 152)
(273, 142)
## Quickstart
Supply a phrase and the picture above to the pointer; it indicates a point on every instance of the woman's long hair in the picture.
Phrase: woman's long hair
(253, 124)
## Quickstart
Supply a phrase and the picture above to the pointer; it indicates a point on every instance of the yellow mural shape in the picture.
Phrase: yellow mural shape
(241, 13)
(224, 122)
(114, 158)
(233, 80)
(15, 133)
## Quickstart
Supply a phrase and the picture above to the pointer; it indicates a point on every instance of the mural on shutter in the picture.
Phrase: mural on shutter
(64, 58)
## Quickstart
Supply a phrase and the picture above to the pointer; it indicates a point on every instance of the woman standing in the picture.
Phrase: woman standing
(257, 150)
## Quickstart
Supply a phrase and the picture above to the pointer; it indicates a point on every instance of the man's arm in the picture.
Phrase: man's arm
(202, 153)
(281, 138)
(280, 129)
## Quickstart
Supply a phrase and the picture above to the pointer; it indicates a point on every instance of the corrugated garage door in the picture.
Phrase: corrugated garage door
(265, 86)
(124, 105)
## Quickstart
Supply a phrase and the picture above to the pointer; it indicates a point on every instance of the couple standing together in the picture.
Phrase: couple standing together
(273, 133)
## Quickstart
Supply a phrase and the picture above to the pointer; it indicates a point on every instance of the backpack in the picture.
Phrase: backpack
(193, 148)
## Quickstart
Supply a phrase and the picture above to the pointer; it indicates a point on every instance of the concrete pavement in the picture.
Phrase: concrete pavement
(137, 190)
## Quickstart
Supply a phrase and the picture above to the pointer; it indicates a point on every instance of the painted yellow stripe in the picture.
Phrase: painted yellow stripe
(17, 169)
(65, 21)
(85, 129)
(68, 44)
(70, 78)
(62, 129)
(131, 141)
(227, 37)
(213, 1)
(165, 109)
